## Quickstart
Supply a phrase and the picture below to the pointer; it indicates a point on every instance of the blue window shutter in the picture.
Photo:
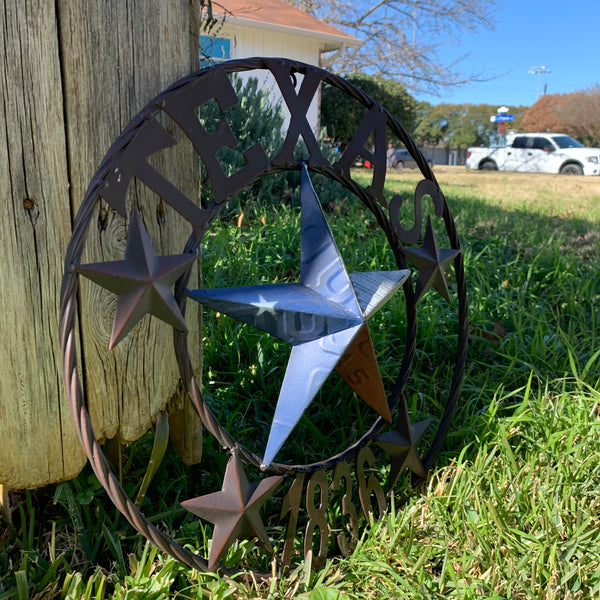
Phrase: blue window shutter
(215, 48)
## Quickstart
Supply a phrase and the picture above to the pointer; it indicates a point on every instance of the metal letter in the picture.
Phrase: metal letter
(374, 123)
(132, 162)
(181, 106)
(298, 105)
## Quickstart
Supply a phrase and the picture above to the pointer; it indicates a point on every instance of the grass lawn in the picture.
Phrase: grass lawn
(511, 508)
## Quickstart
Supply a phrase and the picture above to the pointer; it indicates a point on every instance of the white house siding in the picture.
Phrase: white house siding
(247, 42)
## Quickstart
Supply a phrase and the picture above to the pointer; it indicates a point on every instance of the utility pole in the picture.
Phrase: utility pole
(539, 71)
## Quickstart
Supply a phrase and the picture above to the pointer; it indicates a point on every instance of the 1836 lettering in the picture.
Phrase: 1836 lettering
(321, 485)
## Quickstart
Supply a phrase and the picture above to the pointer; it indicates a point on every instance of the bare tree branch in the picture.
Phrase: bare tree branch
(405, 39)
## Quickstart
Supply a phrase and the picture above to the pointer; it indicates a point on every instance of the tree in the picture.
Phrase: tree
(404, 39)
(456, 125)
(459, 126)
(579, 112)
(433, 122)
(576, 113)
(342, 118)
(66, 97)
(543, 115)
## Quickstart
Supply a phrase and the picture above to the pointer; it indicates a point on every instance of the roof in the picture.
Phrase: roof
(281, 16)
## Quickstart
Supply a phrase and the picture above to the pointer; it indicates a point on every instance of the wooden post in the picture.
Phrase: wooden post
(73, 74)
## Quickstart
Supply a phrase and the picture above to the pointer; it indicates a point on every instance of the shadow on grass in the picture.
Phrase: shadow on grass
(534, 290)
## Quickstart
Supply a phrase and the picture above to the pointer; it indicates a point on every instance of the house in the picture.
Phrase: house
(273, 28)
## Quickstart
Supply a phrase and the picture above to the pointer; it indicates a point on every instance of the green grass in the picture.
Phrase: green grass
(511, 509)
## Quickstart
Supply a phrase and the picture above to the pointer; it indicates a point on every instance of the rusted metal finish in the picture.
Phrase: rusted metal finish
(290, 505)
(402, 445)
(337, 312)
(341, 480)
(359, 369)
(431, 263)
(142, 281)
(368, 485)
(235, 509)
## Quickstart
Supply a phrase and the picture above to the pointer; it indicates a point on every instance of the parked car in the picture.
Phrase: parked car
(404, 160)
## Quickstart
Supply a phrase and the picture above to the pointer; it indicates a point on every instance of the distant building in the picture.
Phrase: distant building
(273, 28)
(445, 155)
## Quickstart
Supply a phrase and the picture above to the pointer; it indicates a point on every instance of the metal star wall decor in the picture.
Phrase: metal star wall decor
(333, 433)
(320, 317)
(402, 446)
(431, 262)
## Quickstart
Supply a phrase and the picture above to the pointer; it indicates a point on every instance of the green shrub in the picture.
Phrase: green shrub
(253, 119)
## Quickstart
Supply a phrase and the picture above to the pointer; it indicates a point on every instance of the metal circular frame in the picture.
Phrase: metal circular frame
(69, 291)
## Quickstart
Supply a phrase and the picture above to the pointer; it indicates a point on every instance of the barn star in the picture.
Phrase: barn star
(320, 317)
(142, 282)
(235, 510)
(401, 445)
(431, 263)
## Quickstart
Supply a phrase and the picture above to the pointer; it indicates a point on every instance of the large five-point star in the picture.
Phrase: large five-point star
(142, 282)
(431, 263)
(323, 317)
(235, 509)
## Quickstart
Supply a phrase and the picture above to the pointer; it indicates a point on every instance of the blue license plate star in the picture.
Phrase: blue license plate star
(321, 317)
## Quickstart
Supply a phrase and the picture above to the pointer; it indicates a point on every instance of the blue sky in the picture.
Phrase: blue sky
(560, 34)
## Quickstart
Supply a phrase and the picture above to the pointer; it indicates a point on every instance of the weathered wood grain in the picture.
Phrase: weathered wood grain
(138, 49)
(73, 74)
(37, 439)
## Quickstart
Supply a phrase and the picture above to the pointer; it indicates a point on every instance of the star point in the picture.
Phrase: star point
(359, 369)
(142, 282)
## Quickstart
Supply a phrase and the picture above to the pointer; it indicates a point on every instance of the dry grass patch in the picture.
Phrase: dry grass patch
(554, 195)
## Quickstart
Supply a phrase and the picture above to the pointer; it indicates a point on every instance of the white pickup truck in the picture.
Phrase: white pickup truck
(537, 153)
